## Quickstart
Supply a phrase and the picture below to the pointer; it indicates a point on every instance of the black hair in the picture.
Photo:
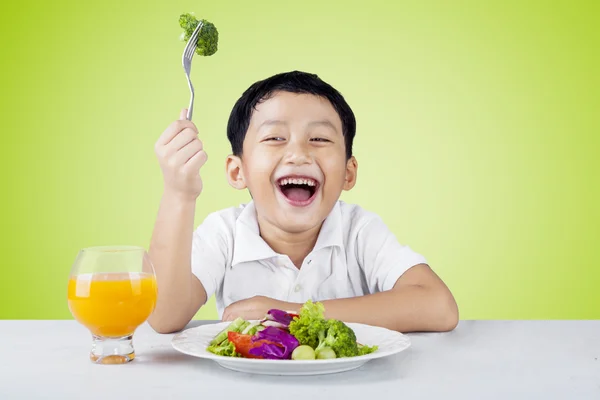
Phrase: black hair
(293, 82)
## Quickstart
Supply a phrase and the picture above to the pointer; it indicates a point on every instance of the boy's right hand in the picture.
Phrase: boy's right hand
(180, 155)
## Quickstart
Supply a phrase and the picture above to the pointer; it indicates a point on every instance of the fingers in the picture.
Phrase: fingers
(185, 153)
(229, 314)
(173, 131)
(230, 317)
(184, 138)
(183, 114)
(225, 316)
(180, 154)
(196, 162)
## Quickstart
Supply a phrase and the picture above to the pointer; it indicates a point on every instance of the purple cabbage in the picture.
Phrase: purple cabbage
(279, 316)
(269, 351)
(281, 347)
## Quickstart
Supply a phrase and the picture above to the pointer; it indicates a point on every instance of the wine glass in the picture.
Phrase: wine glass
(112, 290)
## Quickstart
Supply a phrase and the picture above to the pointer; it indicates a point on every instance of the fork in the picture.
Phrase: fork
(188, 53)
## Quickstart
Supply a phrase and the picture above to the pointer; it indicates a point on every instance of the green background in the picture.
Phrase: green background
(477, 134)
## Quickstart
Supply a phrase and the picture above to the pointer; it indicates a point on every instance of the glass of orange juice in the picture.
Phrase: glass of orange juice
(112, 290)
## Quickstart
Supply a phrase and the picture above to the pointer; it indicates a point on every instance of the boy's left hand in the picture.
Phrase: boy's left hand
(254, 308)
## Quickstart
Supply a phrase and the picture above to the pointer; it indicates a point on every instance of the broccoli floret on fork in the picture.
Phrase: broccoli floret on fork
(208, 38)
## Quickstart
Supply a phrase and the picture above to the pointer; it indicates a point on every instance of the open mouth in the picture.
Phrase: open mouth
(298, 190)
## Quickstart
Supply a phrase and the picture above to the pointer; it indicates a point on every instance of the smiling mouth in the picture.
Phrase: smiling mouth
(298, 191)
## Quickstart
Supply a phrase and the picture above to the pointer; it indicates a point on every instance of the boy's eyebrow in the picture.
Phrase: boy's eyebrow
(324, 122)
(272, 122)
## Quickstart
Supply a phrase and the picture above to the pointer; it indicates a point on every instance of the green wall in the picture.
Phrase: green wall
(477, 134)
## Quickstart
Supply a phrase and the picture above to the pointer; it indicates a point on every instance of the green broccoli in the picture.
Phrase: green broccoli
(341, 338)
(364, 349)
(208, 37)
(310, 324)
(312, 329)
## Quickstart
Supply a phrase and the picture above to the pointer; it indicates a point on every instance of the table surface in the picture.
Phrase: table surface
(478, 360)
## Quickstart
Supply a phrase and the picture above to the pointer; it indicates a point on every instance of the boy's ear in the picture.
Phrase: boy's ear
(233, 170)
(351, 172)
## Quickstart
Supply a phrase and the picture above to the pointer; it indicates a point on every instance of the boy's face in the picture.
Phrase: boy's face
(294, 161)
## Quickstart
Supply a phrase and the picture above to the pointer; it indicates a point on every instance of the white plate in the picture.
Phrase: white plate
(194, 342)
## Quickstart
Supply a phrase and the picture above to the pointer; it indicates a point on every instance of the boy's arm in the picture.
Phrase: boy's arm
(419, 301)
(407, 295)
(180, 293)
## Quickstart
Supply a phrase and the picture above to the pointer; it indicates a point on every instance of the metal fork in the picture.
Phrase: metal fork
(188, 53)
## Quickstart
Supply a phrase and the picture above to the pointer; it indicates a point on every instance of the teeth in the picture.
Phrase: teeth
(289, 181)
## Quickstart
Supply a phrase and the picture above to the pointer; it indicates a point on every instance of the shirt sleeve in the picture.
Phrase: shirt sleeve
(209, 253)
(382, 258)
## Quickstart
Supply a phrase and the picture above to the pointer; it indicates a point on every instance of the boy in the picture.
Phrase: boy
(291, 138)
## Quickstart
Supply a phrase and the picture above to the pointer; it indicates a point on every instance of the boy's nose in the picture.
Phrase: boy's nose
(298, 154)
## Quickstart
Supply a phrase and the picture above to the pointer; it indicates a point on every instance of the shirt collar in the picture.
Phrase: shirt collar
(331, 233)
(250, 246)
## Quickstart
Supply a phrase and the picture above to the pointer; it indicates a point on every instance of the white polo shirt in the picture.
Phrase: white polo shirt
(355, 254)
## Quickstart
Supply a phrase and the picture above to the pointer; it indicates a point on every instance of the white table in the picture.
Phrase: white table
(479, 360)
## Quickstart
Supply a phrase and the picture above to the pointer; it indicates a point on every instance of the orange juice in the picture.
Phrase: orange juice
(112, 304)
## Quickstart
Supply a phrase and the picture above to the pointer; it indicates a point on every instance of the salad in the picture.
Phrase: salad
(282, 335)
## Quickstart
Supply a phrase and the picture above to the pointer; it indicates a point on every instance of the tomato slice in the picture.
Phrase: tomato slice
(243, 343)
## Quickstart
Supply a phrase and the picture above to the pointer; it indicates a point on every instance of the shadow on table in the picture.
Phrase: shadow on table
(386, 369)
(166, 356)
(392, 368)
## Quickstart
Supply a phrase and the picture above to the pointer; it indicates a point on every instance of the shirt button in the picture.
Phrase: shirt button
(297, 288)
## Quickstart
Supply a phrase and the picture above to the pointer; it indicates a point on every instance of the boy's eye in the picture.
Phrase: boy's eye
(320, 140)
(278, 139)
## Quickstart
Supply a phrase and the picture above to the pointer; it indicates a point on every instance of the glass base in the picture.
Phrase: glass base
(112, 350)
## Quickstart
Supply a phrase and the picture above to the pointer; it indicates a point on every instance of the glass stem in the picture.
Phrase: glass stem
(112, 350)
